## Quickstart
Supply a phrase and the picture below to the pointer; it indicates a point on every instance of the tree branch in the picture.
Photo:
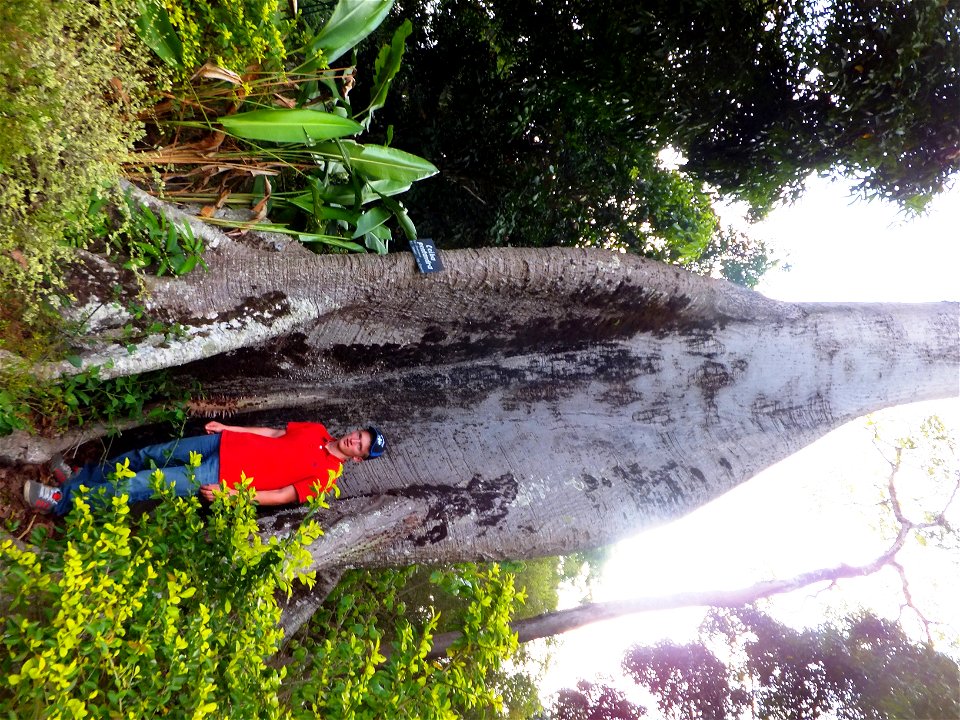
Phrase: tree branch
(561, 621)
(371, 524)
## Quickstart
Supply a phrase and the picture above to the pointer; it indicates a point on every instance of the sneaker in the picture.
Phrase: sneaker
(40, 497)
(60, 469)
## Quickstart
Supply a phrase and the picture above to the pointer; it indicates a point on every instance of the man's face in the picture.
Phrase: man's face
(355, 445)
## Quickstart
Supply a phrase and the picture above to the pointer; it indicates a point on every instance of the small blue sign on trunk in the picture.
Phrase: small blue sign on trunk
(426, 255)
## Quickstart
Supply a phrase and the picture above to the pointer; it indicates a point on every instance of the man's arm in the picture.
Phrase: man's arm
(215, 427)
(280, 496)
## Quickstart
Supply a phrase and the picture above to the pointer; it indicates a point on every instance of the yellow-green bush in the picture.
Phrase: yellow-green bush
(234, 34)
(70, 89)
(346, 673)
(172, 615)
(166, 617)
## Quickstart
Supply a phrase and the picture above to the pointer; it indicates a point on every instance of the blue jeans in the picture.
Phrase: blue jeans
(171, 457)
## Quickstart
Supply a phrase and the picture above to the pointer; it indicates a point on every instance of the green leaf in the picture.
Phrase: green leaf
(378, 162)
(400, 212)
(147, 249)
(374, 243)
(284, 125)
(374, 217)
(182, 267)
(327, 212)
(351, 22)
(345, 195)
(331, 240)
(386, 68)
(154, 28)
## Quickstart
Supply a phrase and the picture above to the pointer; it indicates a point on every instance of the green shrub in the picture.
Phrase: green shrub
(348, 675)
(70, 91)
(170, 615)
(234, 34)
(166, 616)
(84, 397)
(146, 241)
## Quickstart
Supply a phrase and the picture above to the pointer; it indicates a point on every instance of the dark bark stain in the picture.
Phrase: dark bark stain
(488, 499)
(566, 374)
(712, 377)
(574, 322)
(659, 486)
(590, 483)
(272, 360)
(826, 347)
(725, 464)
(659, 414)
(700, 341)
(540, 379)
(590, 486)
(492, 497)
(772, 414)
(434, 334)
(621, 395)
(253, 306)
(553, 325)
(256, 362)
(88, 280)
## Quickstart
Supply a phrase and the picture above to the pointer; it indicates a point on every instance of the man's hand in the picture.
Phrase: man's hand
(207, 491)
(214, 427)
(281, 496)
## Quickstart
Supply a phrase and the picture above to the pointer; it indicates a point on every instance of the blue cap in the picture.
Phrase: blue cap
(378, 443)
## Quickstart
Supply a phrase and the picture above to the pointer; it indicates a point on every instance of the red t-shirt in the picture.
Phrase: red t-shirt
(299, 458)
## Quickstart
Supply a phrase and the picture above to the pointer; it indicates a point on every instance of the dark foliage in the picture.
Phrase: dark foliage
(545, 118)
(864, 669)
(594, 702)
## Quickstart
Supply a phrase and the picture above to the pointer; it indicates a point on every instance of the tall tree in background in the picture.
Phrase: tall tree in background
(864, 668)
(593, 701)
(545, 118)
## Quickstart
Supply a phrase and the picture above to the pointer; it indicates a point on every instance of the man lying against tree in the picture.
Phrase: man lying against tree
(285, 466)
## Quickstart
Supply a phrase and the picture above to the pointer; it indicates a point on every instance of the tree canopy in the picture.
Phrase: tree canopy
(546, 118)
(863, 668)
(747, 664)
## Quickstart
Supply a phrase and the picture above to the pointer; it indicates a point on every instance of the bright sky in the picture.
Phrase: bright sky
(817, 508)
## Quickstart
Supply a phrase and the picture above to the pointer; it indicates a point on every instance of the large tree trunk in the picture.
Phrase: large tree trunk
(535, 401)
(557, 447)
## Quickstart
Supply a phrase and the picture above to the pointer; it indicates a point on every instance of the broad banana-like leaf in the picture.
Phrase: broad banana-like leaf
(154, 28)
(386, 67)
(329, 212)
(400, 212)
(285, 125)
(351, 22)
(331, 240)
(372, 218)
(375, 242)
(345, 196)
(378, 162)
